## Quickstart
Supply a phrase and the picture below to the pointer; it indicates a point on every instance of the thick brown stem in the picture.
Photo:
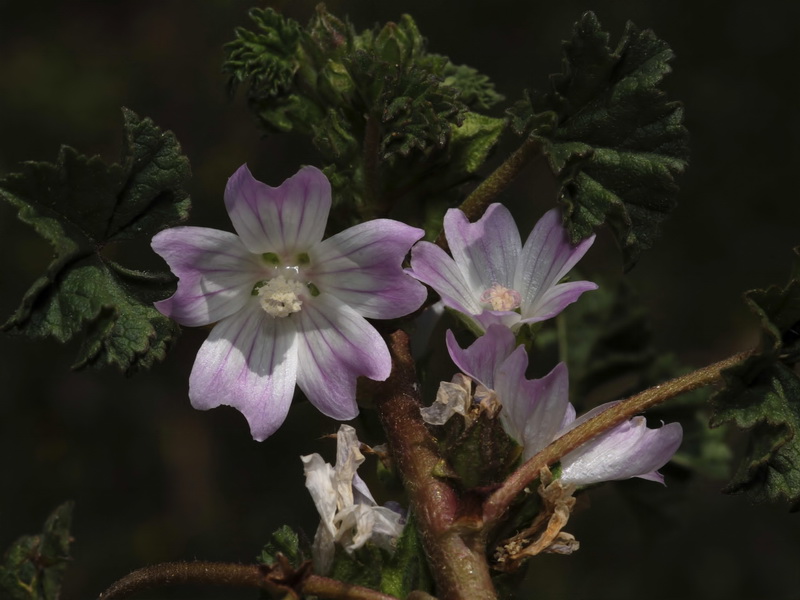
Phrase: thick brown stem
(458, 565)
(499, 502)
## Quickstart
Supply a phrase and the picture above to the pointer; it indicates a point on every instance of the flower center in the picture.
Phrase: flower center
(280, 297)
(501, 298)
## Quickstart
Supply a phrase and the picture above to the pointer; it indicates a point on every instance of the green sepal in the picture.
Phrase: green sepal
(407, 569)
(610, 135)
(81, 206)
(477, 449)
(284, 541)
(762, 394)
(34, 565)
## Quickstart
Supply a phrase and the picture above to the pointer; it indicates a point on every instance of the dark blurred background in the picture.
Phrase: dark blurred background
(154, 480)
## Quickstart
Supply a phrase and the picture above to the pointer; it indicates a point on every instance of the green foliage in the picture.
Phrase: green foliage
(395, 573)
(762, 394)
(82, 206)
(286, 542)
(385, 114)
(34, 565)
(610, 135)
(477, 449)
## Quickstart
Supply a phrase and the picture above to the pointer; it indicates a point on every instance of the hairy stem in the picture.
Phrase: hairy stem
(482, 196)
(458, 565)
(233, 575)
(374, 204)
(501, 499)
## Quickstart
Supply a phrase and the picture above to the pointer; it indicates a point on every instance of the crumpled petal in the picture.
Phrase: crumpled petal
(487, 250)
(337, 345)
(348, 513)
(547, 256)
(249, 361)
(362, 266)
(215, 272)
(631, 449)
(287, 219)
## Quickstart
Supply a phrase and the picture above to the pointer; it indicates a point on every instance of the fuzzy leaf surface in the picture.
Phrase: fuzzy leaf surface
(34, 565)
(610, 135)
(80, 205)
(762, 395)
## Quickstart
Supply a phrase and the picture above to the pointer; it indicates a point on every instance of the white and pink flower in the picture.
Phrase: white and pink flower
(537, 411)
(492, 278)
(289, 307)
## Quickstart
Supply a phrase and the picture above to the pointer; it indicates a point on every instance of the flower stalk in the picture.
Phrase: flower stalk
(501, 499)
(457, 563)
(278, 576)
(482, 196)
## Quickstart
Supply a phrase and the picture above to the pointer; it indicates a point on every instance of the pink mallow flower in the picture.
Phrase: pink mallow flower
(536, 412)
(492, 277)
(289, 307)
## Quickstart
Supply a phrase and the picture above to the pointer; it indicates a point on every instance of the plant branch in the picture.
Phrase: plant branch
(458, 565)
(482, 196)
(277, 577)
(501, 499)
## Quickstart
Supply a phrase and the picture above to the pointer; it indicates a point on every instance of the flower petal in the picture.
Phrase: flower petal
(546, 258)
(533, 410)
(487, 250)
(434, 267)
(249, 362)
(631, 449)
(362, 266)
(336, 345)
(286, 219)
(557, 298)
(216, 274)
(483, 358)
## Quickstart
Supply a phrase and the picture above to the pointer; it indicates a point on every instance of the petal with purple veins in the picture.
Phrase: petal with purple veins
(434, 267)
(483, 358)
(287, 219)
(487, 250)
(249, 362)
(216, 274)
(336, 346)
(546, 258)
(631, 449)
(362, 266)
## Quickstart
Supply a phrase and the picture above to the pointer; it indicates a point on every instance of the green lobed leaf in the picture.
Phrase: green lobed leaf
(610, 135)
(81, 205)
(762, 394)
(34, 565)
(385, 113)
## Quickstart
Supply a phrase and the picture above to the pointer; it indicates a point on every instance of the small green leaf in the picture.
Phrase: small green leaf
(762, 394)
(34, 565)
(610, 135)
(81, 205)
(286, 542)
(407, 570)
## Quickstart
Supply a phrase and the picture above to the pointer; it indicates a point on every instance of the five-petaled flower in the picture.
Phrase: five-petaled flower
(536, 412)
(492, 277)
(289, 307)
